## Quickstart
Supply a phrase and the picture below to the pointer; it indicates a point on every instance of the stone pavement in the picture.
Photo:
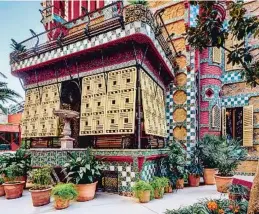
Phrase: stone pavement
(106, 203)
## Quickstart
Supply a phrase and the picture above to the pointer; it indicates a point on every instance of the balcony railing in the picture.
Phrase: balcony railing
(91, 24)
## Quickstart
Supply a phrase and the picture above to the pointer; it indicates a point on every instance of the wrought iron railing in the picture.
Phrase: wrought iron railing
(91, 24)
(69, 32)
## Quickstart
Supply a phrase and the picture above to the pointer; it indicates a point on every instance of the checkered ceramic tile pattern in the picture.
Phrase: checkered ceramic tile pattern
(132, 28)
(235, 101)
(194, 11)
(232, 77)
(149, 171)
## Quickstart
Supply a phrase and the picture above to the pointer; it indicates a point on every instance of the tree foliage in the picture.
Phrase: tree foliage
(211, 32)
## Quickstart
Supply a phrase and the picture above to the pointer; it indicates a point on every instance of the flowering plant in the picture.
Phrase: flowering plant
(218, 206)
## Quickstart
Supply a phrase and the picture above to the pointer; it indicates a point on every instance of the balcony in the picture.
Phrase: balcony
(63, 39)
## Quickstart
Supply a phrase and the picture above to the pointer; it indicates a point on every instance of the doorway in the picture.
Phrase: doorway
(234, 123)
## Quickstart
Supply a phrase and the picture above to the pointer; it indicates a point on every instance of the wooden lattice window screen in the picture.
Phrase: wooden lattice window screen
(216, 117)
(223, 121)
(248, 126)
(216, 55)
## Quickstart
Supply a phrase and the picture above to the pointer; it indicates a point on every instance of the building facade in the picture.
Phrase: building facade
(136, 82)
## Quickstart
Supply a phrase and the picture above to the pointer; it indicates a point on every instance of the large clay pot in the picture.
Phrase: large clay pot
(2, 193)
(223, 183)
(159, 193)
(40, 197)
(180, 183)
(13, 190)
(144, 196)
(194, 181)
(60, 203)
(86, 192)
(19, 178)
(209, 176)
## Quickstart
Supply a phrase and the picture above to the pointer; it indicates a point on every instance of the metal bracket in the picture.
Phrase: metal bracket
(22, 84)
(36, 46)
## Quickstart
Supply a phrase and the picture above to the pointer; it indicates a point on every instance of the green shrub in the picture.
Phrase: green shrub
(159, 184)
(141, 186)
(65, 191)
(41, 178)
(20, 158)
(12, 172)
(83, 170)
(230, 156)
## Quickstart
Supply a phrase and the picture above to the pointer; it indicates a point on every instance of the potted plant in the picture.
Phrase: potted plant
(195, 172)
(168, 186)
(13, 187)
(176, 162)
(63, 194)
(41, 190)
(208, 149)
(231, 154)
(143, 191)
(237, 192)
(84, 172)
(2, 193)
(158, 185)
(21, 159)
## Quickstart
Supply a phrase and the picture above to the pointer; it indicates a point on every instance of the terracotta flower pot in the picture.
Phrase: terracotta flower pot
(13, 190)
(144, 196)
(180, 183)
(60, 203)
(19, 178)
(2, 193)
(194, 181)
(86, 192)
(40, 197)
(159, 193)
(209, 176)
(168, 189)
(222, 183)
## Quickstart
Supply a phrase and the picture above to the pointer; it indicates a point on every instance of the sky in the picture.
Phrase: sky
(16, 18)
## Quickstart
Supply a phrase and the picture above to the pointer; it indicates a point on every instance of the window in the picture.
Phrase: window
(46, 95)
(88, 87)
(128, 80)
(127, 100)
(86, 123)
(126, 120)
(112, 120)
(87, 105)
(99, 85)
(216, 117)
(114, 82)
(99, 103)
(98, 122)
(113, 102)
(216, 55)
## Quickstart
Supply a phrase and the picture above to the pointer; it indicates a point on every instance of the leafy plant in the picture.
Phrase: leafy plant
(83, 170)
(175, 162)
(12, 172)
(238, 189)
(195, 169)
(64, 191)
(141, 186)
(208, 150)
(41, 178)
(210, 31)
(20, 158)
(231, 154)
(165, 181)
(1, 180)
(143, 2)
(218, 206)
(159, 185)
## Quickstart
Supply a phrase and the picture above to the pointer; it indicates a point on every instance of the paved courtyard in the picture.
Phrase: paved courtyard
(105, 203)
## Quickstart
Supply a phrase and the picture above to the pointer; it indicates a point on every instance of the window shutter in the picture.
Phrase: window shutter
(216, 55)
(248, 126)
(223, 121)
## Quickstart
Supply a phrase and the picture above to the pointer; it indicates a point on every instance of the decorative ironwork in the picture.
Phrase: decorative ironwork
(110, 181)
